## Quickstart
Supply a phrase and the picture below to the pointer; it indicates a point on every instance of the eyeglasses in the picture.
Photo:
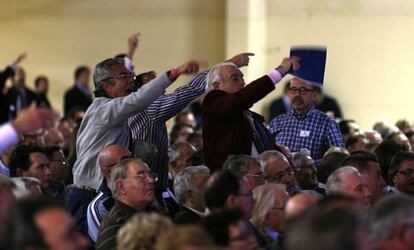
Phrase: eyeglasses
(145, 176)
(301, 91)
(121, 76)
(407, 172)
(282, 174)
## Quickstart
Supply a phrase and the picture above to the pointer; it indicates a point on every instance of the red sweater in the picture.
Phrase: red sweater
(226, 130)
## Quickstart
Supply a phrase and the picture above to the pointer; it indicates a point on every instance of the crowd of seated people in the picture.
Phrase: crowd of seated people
(110, 174)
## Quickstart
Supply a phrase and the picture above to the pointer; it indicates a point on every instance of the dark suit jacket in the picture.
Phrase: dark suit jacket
(4, 104)
(225, 128)
(12, 95)
(186, 216)
(277, 107)
(76, 98)
(329, 104)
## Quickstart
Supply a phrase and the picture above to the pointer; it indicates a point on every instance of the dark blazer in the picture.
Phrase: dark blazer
(4, 104)
(329, 104)
(277, 107)
(12, 95)
(186, 216)
(76, 98)
(225, 128)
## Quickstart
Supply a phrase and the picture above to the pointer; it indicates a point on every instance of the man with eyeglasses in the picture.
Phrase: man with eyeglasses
(106, 123)
(401, 173)
(132, 185)
(99, 207)
(305, 127)
(229, 127)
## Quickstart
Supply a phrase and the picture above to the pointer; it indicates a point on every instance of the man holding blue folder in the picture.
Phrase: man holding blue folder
(305, 127)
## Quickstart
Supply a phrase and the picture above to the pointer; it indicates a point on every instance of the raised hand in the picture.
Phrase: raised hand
(34, 118)
(241, 59)
(20, 58)
(288, 64)
(133, 42)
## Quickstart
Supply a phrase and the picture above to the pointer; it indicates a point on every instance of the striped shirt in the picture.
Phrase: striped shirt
(314, 131)
(150, 126)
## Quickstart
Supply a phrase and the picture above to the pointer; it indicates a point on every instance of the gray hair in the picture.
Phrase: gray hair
(265, 200)
(184, 181)
(119, 172)
(269, 155)
(391, 211)
(335, 182)
(302, 158)
(239, 164)
(214, 75)
(102, 72)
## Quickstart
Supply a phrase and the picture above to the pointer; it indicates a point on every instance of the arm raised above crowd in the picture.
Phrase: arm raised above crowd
(223, 104)
(29, 120)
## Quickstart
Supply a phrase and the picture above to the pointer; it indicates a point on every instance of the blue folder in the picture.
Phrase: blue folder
(312, 62)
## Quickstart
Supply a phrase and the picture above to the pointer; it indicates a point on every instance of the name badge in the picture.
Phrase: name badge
(304, 133)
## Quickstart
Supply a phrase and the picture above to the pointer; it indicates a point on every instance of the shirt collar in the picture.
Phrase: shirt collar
(305, 116)
(202, 214)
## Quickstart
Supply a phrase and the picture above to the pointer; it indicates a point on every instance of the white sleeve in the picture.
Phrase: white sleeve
(8, 137)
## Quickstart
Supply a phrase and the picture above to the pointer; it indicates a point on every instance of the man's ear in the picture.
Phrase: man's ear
(216, 85)
(231, 201)
(120, 187)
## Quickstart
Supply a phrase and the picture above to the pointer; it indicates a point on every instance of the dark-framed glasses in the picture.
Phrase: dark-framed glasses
(301, 91)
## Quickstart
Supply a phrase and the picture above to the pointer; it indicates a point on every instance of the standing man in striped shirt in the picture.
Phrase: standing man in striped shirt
(150, 125)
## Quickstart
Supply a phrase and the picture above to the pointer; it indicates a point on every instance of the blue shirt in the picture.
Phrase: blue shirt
(314, 131)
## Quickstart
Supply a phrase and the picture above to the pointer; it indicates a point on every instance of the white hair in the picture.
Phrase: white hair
(335, 181)
(184, 181)
(214, 75)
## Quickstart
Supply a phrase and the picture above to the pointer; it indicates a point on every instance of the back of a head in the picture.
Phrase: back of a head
(21, 229)
(224, 185)
(329, 164)
(184, 237)
(335, 181)
(184, 181)
(360, 159)
(239, 164)
(391, 211)
(334, 229)
(142, 230)
(217, 225)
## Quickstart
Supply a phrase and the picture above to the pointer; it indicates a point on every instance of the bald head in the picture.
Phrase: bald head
(299, 204)
(109, 157)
